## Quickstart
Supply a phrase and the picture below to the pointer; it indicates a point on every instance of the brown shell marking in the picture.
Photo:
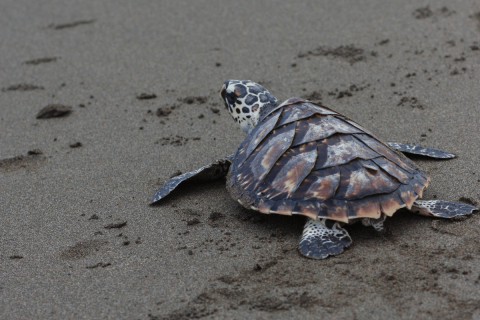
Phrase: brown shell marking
(417, 188)
(320, 127)
(289, 171)
(307, 208)
(263, 207)
(392, 169)
(319, 185)
(383, 149)
(284, 207)
(341, 149)
(294, 113)
(284, 104)
(390, 203)
(407, 195)
(262, 132)
(257, 135)
(362, 178)
(334, 209)
(365, 208)
(252, 172)
(372, 206)
(423, 179)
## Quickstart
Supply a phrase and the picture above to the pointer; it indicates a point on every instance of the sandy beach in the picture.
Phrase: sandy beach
(132, 88)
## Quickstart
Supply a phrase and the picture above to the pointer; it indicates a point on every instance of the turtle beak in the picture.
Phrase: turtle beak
(223, 94)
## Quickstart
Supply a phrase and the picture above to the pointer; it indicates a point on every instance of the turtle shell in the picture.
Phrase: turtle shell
(303, 158)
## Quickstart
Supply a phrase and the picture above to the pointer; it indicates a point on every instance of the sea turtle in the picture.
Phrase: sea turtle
(304, 158)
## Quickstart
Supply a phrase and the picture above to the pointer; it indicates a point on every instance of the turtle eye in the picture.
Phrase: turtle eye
(231, 97)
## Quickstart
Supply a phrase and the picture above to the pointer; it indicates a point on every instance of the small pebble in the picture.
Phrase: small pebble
(75, 145)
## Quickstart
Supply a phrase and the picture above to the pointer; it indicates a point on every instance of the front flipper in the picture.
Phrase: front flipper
(319, 241)
(442, 209)
(421, 151)
(209, 172)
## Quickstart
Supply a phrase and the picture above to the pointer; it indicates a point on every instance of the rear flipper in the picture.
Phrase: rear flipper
(421, 151)
(442, 209)
(209, 172)
(377, 224)
(320, 241)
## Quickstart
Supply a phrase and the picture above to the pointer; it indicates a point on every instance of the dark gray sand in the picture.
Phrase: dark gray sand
(78, 239)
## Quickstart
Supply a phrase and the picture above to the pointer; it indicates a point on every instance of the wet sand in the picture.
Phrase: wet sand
(78, 238)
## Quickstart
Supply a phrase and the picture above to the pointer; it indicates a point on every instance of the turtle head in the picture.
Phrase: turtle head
(246, 101)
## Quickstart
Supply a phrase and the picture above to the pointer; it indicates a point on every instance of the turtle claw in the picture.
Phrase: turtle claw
(421, 151)
(319, 241)
(442, 209)
(209, 172)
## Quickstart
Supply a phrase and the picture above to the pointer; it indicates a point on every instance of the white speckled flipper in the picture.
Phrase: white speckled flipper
(377, 224)
(319, 241)
(442, 209)
(209, 172)
(421, 151)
